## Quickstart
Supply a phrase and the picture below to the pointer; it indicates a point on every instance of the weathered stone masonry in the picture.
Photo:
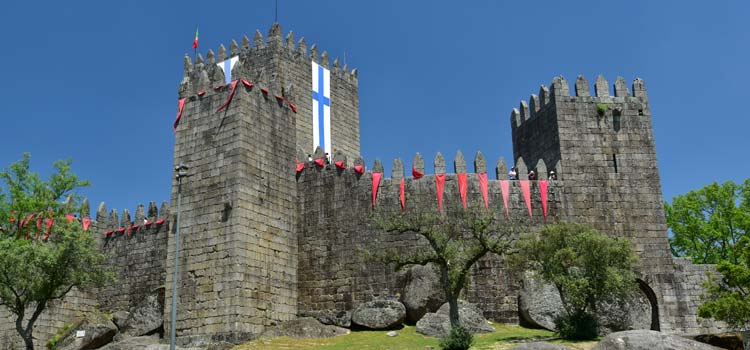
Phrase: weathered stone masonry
(262, 244)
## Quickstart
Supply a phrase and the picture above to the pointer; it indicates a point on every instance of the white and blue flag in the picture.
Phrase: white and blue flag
(321, 107)
(227, 66)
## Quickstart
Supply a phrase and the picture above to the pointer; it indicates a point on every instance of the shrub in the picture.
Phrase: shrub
(459, 339)
(578, 326)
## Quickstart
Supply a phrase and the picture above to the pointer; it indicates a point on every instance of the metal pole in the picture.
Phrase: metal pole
(181, 172)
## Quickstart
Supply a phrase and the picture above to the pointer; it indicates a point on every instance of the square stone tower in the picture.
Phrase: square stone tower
(246, 115)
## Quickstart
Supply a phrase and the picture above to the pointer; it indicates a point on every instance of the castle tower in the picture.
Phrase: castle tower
(603, 145)
(238, 258)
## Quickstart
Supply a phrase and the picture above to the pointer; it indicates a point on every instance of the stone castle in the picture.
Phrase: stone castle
(264, 241)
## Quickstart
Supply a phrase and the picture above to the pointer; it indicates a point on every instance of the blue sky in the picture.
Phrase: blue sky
(96, 81)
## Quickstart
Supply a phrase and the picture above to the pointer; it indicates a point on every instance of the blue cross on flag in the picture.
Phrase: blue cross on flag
(226, 66)
(321, 108)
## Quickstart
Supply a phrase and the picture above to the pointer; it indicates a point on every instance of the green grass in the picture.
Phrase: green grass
(407, 339)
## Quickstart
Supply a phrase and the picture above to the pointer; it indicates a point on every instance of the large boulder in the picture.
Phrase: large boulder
(90, 332)
(422, 292)
(379, 314)
(146, 318)
(539, 304)
(649, 340)
(304, 327)
(331, 317)
(540, 346)
(438, 324)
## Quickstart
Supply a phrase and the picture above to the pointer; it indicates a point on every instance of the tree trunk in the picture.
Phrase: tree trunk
(453, 310)
(745, 335)
(29, 341)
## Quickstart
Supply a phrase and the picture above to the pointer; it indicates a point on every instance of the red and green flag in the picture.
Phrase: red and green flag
(195, 41)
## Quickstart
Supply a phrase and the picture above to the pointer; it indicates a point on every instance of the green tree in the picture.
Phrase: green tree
(586, 267)
(728, 298)
(33, 270)
(456, 243)
(707, 224)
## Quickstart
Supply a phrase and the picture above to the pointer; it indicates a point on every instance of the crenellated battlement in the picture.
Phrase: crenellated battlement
(112, 224)
(560, 91)
(204, 74)
(420, 190)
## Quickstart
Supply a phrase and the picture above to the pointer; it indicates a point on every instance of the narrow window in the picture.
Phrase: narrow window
(640, 112)
(614, 161)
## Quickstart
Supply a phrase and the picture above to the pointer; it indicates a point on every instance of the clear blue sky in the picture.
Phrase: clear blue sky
(97, 81)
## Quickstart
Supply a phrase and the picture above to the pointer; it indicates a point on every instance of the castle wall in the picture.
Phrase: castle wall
(238, 256)
(337, 238)
(607, 158)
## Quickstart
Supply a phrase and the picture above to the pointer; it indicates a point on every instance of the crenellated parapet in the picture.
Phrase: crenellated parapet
(248, 61)
(350, 179)
(559, 91)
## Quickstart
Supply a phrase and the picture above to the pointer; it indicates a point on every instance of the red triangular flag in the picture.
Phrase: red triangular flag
(526, 190)
(340, 164)
(401, 195)
(360, 169)
(109, 233)
(180, 107)
(247, 83)
(299, 166)
(229, 99)
(415, 173)
(293, 107)
(483, 187)
(86, 222)
(543, 192)
(49, 222)
(201, 93)
(462, 187)
(319, 161)
(439, 185)
(160, 221)
(70, 218)
(504, 188)
(375, 184)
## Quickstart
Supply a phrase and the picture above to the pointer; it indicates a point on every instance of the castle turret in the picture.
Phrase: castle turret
(244, 118)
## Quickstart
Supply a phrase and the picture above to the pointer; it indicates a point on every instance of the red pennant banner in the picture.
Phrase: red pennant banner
(265, 91)
(49, 223)
(415, 173)
(247, 83)
(108, 233)
(86, 223)
(360, 169)
(526, 190)
(180, 107)
(279, 98)
(29, 218)
(319, 161)
(439, 185)
(484, 188)
(504, 189)
(229, 99)
(218, 87)
(70, 218)
(201, 93)
(292, 106)
(299, 166)
(401, 195)
(160, 221)
(134, 227)
(543, 192)
(147, 223)
(340, 164)
(462, 187)
(121, 230)
(375, 184)
(39, 222)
